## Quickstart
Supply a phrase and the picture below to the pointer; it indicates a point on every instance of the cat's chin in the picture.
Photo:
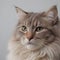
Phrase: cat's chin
(31, 47)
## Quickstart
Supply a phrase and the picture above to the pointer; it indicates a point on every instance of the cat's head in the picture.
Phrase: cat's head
(34, 29)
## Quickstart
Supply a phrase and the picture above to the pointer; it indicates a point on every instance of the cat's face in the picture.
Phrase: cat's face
(34, 29)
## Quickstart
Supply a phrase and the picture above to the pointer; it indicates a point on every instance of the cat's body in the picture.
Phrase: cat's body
(37, 36)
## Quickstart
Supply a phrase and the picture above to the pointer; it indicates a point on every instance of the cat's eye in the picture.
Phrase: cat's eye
(23, 28)
(38, 28)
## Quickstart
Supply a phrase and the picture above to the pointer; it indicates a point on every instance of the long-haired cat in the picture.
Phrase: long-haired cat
(37, 36)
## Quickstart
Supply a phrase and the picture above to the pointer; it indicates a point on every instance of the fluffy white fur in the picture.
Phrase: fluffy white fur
(18, 52)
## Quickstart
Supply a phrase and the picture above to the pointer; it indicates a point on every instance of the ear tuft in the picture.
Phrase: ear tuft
(52, 15)
(53, 12)
(20, 12)
(16, 9)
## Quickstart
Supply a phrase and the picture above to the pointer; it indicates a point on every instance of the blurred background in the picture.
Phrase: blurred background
(8, 17)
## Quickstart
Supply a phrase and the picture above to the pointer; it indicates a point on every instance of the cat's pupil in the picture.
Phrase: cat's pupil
(23, 28)
(39, 28)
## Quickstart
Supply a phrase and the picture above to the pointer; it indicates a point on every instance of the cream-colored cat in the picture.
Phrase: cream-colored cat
(37, 36)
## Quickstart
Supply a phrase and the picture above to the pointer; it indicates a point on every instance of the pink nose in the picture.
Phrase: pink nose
(29, 35)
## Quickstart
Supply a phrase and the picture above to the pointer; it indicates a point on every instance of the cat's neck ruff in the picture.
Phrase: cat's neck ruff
(18, 52)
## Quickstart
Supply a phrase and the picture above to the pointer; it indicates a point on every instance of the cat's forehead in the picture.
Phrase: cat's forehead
(35, 19)
(32, 18)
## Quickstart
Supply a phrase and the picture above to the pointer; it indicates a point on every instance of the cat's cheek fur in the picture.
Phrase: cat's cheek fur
(24, 41)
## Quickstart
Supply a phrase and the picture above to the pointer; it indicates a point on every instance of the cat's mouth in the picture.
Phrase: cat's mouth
(27, 42)
(31, 45)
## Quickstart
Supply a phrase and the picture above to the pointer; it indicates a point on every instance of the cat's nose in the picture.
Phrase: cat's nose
(29, 35)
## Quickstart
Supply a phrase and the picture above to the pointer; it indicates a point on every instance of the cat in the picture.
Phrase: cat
(36, 37)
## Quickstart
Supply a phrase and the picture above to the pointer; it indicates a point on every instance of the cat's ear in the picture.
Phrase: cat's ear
(21, 13)
(52, 12)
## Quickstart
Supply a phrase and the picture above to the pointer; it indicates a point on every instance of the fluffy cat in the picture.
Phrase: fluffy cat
(37, 36)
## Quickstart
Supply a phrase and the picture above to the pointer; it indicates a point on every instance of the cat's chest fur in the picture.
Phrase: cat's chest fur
(26, 55)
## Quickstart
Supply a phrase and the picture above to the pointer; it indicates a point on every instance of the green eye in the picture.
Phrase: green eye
(23, 28)
(38, 28)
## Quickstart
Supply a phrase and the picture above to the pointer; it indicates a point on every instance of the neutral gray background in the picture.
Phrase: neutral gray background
(8, 17)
